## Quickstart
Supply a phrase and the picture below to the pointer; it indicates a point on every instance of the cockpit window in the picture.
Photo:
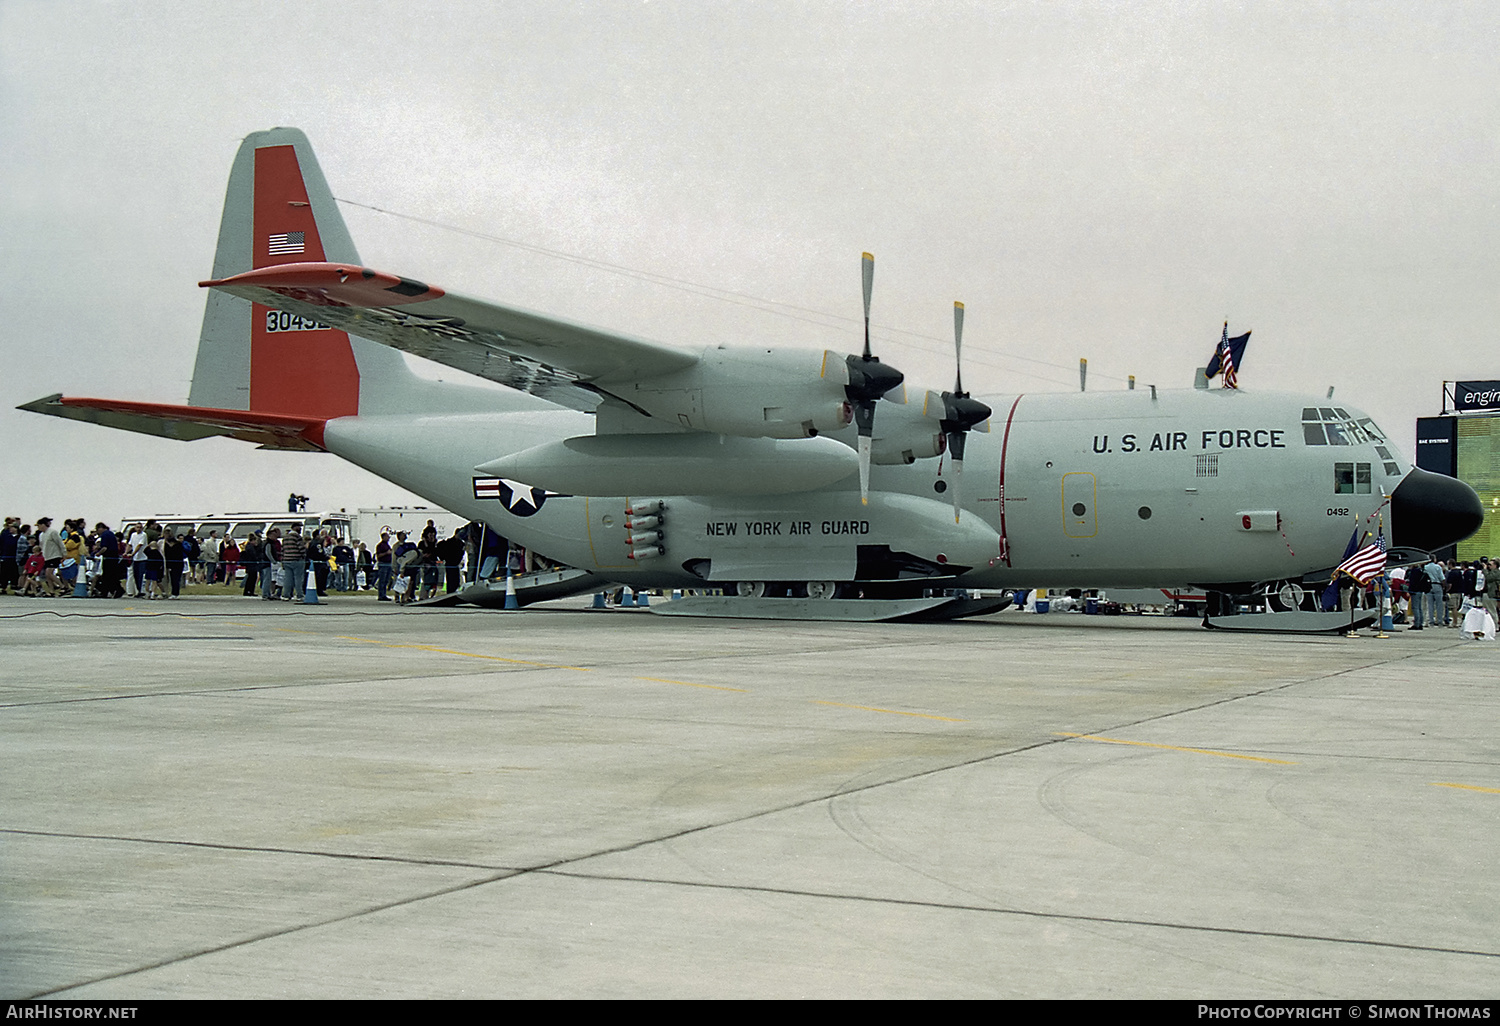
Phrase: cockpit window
(1392, 468)
(1333, 426)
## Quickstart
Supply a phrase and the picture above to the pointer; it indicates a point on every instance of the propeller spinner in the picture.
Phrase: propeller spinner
(869, 379)
(960, 413)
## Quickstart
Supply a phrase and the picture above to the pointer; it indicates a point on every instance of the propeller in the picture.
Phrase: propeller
(869, 379)
(960, 413)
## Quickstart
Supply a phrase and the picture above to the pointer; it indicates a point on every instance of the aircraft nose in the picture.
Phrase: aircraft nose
(1431, 510)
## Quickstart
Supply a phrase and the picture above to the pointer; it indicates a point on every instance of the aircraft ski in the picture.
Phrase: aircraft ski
(931, 609)
(528, 589)
(1293, 621)
(757, 468)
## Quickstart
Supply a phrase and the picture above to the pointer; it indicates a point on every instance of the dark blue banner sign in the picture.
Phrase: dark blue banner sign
(1476, 395)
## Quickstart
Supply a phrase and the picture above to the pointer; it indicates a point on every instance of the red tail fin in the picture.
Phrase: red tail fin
(278, 210)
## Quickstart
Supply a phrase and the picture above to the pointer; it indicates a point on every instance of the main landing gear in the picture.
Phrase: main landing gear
(811, 589)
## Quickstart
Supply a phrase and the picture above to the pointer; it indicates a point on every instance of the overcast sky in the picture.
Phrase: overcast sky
(1096, 180)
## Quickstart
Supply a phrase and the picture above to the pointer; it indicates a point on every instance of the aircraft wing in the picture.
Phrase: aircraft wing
(187, 423)
(569, 364)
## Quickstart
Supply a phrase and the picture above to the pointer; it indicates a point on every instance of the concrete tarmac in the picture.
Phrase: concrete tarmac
(224, 797)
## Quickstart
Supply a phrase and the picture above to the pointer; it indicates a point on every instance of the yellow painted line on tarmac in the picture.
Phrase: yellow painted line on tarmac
(469, 655)
(893, 712)
(1468, 787)
(690, 684)
(502, 659)
(1175, 748)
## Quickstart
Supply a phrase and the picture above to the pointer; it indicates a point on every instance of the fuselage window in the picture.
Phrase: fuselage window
(1343, 479)
(1312, 434)
(1351, 479)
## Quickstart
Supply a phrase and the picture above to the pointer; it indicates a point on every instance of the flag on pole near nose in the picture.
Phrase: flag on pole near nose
(1366, 563)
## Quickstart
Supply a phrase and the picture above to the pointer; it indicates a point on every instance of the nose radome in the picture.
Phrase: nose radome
(1429, 511)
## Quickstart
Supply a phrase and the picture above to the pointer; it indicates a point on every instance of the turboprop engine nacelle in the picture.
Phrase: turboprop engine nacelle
(751, 393)
(904, 434)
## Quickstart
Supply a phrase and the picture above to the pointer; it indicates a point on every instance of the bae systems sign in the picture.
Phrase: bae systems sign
(1476, 395)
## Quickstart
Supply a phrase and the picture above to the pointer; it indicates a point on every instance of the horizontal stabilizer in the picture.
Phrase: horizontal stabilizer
(187, 423)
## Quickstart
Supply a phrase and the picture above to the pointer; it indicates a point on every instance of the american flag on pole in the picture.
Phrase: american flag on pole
(1366, 563)
(1227, 357)
(1226, 361)
(288, 242)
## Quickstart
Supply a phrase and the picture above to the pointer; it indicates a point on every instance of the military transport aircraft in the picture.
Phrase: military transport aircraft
(748, 466)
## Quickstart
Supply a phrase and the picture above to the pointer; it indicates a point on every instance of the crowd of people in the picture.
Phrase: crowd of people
(145, 560)
(1445, 594)
(148, 561)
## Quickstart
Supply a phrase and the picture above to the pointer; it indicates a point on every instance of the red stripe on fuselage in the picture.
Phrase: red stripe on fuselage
(300, 373)
(1004, 448)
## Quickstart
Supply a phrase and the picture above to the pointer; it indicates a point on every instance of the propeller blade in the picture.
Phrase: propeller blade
(864, 424)
(958, 346)
(864, 470)
(867, 269)
(958, 470)
(960, 413)
(869, 379)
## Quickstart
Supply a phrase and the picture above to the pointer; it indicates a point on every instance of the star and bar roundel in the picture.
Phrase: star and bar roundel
(519, 499)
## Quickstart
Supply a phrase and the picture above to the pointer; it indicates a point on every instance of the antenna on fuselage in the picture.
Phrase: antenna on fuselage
(1083, 374)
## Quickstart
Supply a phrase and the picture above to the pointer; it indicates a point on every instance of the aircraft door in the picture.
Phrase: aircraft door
(1079, 494)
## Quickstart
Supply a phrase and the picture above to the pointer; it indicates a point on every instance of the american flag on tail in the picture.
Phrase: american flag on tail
(288, 242)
